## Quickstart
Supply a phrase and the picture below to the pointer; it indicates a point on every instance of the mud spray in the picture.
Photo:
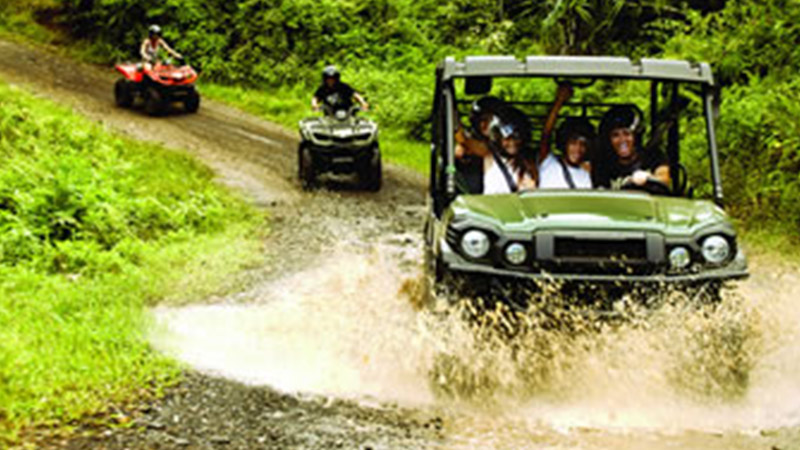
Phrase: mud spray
(346, 328)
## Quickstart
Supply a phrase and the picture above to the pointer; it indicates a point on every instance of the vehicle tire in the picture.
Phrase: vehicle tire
(123, 93)
(154, 103)
(371, 176)
(192, 102)
(306, 169)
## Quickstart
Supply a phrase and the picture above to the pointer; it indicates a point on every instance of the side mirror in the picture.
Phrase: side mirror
(478, 85)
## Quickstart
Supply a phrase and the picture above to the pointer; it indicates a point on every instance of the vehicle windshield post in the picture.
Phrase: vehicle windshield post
(449, 157)
(708, 110)
(653, 109)
(436, 145)
(673, 137)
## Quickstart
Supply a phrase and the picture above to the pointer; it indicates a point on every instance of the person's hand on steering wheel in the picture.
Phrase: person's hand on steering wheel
(642, 180)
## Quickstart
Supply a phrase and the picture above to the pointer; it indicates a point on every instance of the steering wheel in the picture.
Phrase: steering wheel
(652, 186)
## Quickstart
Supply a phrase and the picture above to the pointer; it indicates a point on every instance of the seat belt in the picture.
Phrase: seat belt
(504, 170)
(567, 174)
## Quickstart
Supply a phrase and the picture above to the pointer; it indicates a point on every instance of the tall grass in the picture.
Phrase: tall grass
(93, 228)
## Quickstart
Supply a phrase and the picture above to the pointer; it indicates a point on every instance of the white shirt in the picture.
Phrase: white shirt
(551, 175)
(494, 182)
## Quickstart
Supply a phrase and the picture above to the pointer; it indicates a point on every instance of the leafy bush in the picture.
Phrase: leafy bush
(62, 182)
(94, 227)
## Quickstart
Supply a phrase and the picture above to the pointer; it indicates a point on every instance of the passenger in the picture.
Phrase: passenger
(474, 140)
(624, 160)
(508, 167)
(335, 94)
(574, 138)
(151, 44)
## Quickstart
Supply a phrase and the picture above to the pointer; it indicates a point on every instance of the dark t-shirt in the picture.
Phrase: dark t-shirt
(607, 172)
(340, 96)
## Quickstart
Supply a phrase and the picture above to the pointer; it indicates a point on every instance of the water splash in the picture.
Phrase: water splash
(342, 329)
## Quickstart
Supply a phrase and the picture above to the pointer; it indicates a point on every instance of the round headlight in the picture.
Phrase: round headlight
(516, 253)
(679, 257)
(716, 249)
(475, 244)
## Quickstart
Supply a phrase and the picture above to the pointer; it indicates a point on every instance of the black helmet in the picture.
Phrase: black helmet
(154, 30)
(510, 122)
(572, 128)
(481, 108)
(621, 116)
(330, 72)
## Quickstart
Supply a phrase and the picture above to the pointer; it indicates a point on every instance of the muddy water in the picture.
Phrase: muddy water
(712, 378)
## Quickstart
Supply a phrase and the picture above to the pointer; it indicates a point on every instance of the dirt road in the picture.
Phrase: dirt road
(324, 350)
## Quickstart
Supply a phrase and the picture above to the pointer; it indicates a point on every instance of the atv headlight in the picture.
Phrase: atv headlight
(516, 253)
(475, 244)
(716, 249)
(679, 257)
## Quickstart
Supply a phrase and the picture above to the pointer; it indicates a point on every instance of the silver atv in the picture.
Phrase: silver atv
(340, 143)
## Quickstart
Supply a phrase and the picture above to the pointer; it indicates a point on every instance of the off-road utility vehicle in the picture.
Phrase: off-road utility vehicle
(158, 85)
(339, 142)
(656, 235)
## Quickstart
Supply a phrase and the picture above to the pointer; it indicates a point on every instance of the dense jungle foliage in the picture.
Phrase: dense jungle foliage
(388, 49)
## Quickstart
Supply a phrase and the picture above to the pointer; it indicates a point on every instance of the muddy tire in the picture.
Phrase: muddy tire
(154, 103)
(192, 102)
(123, 93)
(371, 176)
(306, 169)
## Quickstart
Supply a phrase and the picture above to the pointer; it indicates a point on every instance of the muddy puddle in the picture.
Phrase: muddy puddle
(345, 328)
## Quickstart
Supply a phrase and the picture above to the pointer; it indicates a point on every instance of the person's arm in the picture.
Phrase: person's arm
(361, 101)
(314, 103)
(662, 174)
(562, 95)
(143, 51)
(169, 49)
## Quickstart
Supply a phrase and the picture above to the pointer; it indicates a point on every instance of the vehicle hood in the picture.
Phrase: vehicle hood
(565, 209)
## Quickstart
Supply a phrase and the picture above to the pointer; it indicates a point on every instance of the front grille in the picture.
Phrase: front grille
(634, 250)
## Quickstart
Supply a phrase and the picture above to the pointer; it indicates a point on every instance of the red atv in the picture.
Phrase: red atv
(158, 86)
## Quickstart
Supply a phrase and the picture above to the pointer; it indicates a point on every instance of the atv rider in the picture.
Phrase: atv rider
(151, 44)
(574, 138)
(335, 94)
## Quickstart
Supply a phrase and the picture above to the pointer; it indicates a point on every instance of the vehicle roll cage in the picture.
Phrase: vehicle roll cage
(664, 76)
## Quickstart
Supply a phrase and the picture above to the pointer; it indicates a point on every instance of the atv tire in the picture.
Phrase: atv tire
(371, 176)
(154, 103)
(306, 169)
(123, 93)
(192, 102)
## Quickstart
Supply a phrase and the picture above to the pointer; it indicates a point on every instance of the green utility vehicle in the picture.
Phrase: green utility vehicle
(653, 235)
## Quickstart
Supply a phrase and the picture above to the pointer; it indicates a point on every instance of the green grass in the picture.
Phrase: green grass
(287, 105)
(94, 228)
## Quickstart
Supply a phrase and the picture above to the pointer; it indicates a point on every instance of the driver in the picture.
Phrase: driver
(574, 138)
(151, 44)
(624, 160)
(334, 93)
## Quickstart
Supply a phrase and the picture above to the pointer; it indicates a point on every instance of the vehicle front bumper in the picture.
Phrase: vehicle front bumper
(341, 160)
(736, 269)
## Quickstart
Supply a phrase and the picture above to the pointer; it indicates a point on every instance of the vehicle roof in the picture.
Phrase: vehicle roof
(577, 67)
